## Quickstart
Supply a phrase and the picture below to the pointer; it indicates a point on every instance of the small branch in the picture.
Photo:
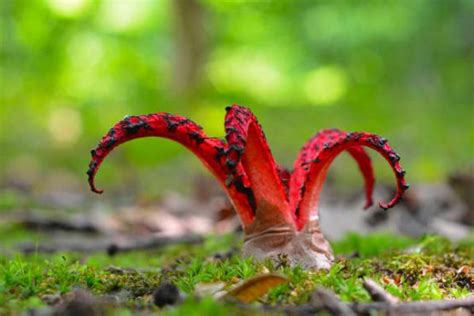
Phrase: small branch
(378, 294)
(326, 299)
(416, 307)
(111, 246)
(402, 308)
(37, 222)
(155, 242)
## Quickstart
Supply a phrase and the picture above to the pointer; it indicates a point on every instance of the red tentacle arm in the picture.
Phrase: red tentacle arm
(312, 148)
(210, 151)
(307, 207)
(247, 146)
(365, 166)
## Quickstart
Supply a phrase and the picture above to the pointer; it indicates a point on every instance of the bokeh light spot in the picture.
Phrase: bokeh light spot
(68, 8)
(245, 72)
(325, 85)
(64, 125)
(123, 16)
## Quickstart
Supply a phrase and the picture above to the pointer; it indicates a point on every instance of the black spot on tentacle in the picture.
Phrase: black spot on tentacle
(92, 167)
(238, 149)
(133, 128)
(370, 141)
(326, 145)
(110, 142)
(220, 153)
(239, 119)
(297, 211)
(230, 163)
(405, 186)
(196, 136)
(394, 157)
(382, 141)
(305, 163)
(230, 130)
(186, 121)
(302, 190)
(316, 160)
(241, 138)
(172, 126)
(401, 173)
(247, 191)
(111, 132)
(357, 136)
(93, 152)
(348, 137)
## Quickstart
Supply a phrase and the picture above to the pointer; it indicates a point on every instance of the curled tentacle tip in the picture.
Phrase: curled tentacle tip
(390, 204)
(384, 206)
(368, 205)
(95, 190)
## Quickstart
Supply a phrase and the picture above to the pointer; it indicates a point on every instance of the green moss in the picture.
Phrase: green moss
(431, 268)
(371, 245)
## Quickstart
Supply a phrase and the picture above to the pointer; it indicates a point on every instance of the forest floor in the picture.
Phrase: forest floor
(126, 283)
(51, 266)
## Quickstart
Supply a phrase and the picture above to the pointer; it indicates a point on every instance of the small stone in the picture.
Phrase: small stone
(166, 294)
(78, 303)
(112, 250)
(51, 299)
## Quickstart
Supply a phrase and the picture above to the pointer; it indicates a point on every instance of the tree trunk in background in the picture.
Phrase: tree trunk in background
(190, 49)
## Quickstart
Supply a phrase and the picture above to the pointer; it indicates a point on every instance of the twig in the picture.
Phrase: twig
(378, 294)
(37, 222)
(326, 299)
(416, 307)
(155, 242)
(368, 308)
(112, 246)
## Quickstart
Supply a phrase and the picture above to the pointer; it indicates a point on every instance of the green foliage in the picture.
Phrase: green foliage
(69, 72)
(371, 245)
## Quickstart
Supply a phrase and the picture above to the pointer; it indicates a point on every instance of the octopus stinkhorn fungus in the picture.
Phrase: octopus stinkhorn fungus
(278, 208)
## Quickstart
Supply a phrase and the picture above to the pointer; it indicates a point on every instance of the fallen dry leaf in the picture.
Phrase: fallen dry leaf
(256, 287)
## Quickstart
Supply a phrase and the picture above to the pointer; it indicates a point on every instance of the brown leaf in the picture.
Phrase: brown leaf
(256, 287)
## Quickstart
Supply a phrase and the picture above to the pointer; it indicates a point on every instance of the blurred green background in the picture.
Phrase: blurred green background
(70, 69)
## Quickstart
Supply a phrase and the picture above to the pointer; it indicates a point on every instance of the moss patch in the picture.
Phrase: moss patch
(430, 268)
